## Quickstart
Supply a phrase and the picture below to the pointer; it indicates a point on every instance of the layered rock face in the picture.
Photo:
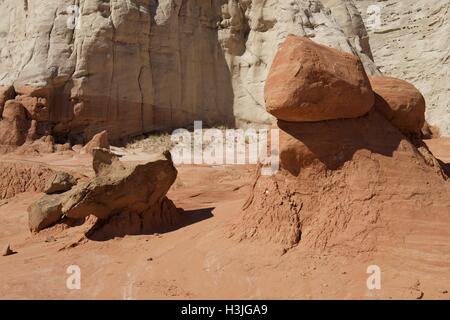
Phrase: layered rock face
(312, 82)
(127, 67)
(350, 20)
(135, 66)
(412, 43)
(127, 198)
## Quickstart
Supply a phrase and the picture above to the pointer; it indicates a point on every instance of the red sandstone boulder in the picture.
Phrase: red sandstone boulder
(134, 188)
(400, 102)
(60, 182)
(312, 82)
(102, 159)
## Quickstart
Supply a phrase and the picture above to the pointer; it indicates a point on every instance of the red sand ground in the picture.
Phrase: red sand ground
(202, 260)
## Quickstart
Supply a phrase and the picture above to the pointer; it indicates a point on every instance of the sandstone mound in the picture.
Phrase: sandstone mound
(312, 82)
(126, 198)
(341, 182)
(16, 178)
(399, 102)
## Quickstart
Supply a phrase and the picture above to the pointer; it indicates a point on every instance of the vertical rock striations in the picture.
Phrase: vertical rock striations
(412, 43)
(80, 67)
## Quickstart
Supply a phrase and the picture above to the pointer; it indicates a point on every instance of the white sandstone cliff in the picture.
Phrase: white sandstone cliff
(132, 66)
(412, 42)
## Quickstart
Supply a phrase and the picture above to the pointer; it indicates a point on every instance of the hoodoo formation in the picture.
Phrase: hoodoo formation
(341, 180)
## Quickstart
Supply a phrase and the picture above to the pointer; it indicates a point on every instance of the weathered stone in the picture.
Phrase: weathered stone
(100, 140)
(60, 182)
(45, 212)
(411, 42)
(301, 146)
(137, 66)
(17, 177)
(102, 159)
(44, 144)
(134, 192)
(123, 187)
(37, 107)
(63, 147)
(349, 19)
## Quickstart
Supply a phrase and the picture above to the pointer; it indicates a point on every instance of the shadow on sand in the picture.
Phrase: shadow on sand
(102, 230)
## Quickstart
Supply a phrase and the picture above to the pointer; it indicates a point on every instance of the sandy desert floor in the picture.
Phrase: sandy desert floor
(202, 261)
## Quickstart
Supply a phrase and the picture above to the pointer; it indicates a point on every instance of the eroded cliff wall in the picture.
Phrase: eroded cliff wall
(133, 66)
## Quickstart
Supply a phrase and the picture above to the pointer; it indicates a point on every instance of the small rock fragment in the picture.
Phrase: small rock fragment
(50, 239)
(7, 251)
